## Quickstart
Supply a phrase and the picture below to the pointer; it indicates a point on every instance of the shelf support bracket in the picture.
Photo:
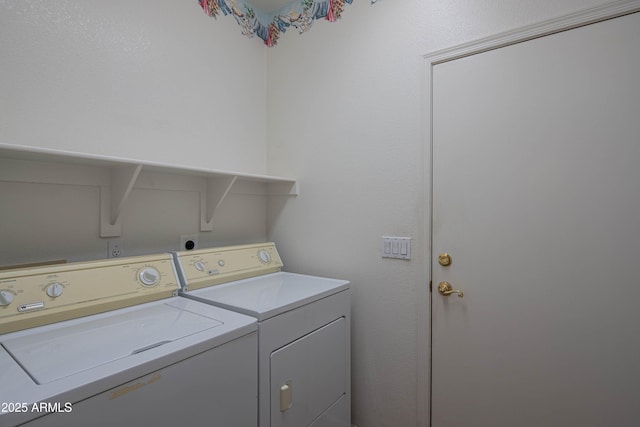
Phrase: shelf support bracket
(282, 189)
(216, 191)
(113, 198)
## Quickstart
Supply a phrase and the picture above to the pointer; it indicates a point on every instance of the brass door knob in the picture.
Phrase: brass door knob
(446, 289)
(444, 259)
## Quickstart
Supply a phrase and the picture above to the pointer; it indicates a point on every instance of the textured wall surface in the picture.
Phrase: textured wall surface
(151, 80)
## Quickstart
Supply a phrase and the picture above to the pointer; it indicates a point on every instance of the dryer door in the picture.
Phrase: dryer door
(308, 376)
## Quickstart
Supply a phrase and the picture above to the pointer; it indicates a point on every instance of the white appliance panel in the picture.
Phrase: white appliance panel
(336, 416)
(303, 327)
(270, 295)
(92, 343)
(314, 368)
(199, 328)
(208, 389)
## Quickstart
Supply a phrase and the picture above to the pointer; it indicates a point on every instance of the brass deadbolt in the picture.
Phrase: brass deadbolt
(444, 259)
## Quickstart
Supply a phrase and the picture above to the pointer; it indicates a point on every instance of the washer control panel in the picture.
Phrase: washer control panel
(214, 266)
(38, 296)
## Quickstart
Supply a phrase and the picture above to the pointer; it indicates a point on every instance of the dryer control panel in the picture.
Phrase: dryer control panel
(214, 266)
(38, 296)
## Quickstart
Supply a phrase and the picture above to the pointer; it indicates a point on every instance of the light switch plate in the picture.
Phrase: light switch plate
(396, 247)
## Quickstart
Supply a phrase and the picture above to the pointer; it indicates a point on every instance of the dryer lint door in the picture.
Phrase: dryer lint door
(308, 376)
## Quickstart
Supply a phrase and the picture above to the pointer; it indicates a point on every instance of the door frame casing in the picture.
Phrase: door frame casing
(545, 28)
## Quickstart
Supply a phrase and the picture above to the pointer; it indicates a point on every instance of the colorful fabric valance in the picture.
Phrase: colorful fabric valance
(300, 14)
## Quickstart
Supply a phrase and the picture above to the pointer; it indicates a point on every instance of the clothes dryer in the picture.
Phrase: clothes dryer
(110, 343)
(304, 330)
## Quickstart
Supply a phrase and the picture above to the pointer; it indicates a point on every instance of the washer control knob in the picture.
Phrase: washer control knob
(149, 276)
(54, 290)
(199, 266)
(6, 298)
(264, 256)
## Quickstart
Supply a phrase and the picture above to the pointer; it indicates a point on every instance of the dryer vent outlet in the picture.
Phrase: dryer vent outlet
(188, 243)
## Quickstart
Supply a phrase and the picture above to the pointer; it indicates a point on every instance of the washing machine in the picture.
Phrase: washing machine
(303, 325)
(108, 343)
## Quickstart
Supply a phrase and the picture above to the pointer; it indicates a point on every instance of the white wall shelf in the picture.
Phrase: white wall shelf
(117, 177)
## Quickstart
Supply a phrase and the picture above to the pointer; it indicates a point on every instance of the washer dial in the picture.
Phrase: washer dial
(149, 276)
(54, 290)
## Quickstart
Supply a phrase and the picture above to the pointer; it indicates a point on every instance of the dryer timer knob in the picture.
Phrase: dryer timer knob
(6, 298)
(265, 257)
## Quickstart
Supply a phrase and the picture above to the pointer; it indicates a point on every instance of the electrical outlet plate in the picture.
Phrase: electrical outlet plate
(115, 248)
(188, 242)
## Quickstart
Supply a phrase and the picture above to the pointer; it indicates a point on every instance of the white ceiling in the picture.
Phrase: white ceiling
(269, 5)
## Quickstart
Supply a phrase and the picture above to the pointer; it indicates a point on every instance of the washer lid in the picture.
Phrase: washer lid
(58, 353)
(269, 295)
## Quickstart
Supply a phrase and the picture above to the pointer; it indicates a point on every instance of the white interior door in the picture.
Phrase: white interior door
(536, 197)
